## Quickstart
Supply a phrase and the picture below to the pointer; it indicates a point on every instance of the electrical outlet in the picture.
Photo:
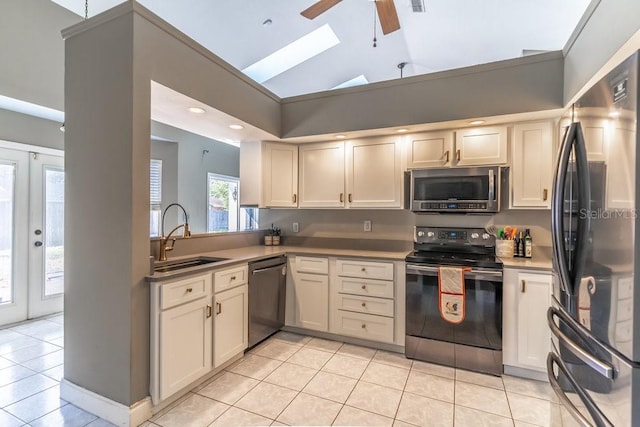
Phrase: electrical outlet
(367, 225)
(296, 227)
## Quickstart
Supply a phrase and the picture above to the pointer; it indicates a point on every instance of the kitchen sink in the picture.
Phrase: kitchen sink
(166, 266)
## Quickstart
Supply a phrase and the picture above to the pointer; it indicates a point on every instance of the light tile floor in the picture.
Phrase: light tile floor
(287, 380)
(298, 380)
(31, 367)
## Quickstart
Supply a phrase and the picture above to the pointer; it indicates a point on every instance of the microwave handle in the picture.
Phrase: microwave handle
(491, 194)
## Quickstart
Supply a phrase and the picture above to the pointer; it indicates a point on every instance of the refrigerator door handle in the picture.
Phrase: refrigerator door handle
(601, 367)
(557, 209)
(584, 204)
(599, 418)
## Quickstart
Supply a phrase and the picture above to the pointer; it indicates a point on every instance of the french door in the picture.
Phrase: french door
(31, 235)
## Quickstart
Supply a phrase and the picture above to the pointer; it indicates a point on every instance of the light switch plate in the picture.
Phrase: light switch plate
(367, 225)
(296, 227)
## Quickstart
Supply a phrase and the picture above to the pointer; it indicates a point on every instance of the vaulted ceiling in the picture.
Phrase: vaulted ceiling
(448, 34)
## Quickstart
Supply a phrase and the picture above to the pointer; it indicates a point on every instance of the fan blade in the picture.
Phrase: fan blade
(318, 8)
(388, 16)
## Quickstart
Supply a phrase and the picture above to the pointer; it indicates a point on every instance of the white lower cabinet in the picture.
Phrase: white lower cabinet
(312, 297)
(231, 324)
(363, 299)
(181, 334)
(526, 336)
(197, 324)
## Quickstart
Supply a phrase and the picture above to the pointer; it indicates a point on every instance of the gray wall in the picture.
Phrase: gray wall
(532, 83)
(609, 27)
(198, 156)
(17, 127)
(32, 51)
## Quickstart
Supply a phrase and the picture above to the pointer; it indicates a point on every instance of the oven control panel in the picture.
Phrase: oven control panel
(453, 236)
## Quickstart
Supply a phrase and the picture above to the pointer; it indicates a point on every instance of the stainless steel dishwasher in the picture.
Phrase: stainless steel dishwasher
(267, 288)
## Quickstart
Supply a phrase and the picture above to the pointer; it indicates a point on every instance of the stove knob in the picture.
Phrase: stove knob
(474, 235)
(420, 233)
(431, 234)
(485, 236)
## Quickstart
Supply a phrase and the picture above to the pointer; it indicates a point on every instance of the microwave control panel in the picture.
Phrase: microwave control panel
(454, 206)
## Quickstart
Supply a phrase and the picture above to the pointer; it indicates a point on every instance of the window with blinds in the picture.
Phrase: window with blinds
(155, 193)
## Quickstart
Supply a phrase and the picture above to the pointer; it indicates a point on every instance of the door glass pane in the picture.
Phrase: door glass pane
(54, 232)
(7, 191)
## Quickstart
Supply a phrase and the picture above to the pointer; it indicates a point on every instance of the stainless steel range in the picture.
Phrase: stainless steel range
(475, 342)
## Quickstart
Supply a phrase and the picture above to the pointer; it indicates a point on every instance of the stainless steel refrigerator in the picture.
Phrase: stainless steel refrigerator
(594, 365)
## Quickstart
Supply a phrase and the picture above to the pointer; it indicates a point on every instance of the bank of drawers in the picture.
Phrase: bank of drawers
(364, 302)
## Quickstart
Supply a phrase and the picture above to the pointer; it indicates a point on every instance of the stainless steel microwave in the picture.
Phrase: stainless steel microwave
(456, 190)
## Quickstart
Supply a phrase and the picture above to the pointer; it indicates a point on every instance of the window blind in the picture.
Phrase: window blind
(156, 183)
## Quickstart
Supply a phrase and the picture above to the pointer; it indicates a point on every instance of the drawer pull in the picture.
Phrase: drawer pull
(364, 326)
(364, 287)
(364, 304)
(233, 278)
(364, 269)
(189, 290)
(218, 308)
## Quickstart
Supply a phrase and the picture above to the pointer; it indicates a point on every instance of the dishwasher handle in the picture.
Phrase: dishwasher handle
(275, 267)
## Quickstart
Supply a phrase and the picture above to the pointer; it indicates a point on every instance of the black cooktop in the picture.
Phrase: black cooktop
(459, 259)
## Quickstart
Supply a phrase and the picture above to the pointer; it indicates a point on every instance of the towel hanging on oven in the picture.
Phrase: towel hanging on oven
(451, 293)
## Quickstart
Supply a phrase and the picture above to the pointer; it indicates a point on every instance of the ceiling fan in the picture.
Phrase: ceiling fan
(385, 8)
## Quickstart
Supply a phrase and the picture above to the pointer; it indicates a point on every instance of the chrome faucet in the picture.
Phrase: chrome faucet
(164, 248)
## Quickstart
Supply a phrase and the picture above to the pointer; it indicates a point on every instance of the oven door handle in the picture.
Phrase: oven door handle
(425, 270)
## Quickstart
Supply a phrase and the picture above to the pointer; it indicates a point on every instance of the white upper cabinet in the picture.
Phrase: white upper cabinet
(322, 175)
(374, 175)
(431, 149)
(280, 174)
(596, 138)
(268, 174)
(481, 146)
(532, 161)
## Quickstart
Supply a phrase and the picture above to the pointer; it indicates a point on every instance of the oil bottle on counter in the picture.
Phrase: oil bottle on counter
(521, 246)
(528, 244)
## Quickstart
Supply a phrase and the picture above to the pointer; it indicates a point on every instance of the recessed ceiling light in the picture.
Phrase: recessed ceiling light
(267, 22)
(340, 136)
(196, 110)
(476, 122)
(236, 127)
(403, 130)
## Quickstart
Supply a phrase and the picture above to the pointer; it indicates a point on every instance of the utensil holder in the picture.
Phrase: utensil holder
(504, 248)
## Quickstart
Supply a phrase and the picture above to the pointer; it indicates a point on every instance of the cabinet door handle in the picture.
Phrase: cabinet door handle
(446, 156)
(294, 198)
(189, 290)
(218, 308)
(209, 310)
(341, 197)
(458, 155)
(545, 194)
(350, 198)
(523, 286)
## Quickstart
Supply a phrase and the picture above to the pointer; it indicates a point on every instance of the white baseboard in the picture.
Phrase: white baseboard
(114, 412)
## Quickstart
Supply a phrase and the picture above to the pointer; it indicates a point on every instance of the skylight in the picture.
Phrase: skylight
(293, 54)
(356, 81)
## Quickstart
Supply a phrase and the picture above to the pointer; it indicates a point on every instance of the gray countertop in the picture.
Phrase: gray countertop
(255, 253)
(541, 260)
